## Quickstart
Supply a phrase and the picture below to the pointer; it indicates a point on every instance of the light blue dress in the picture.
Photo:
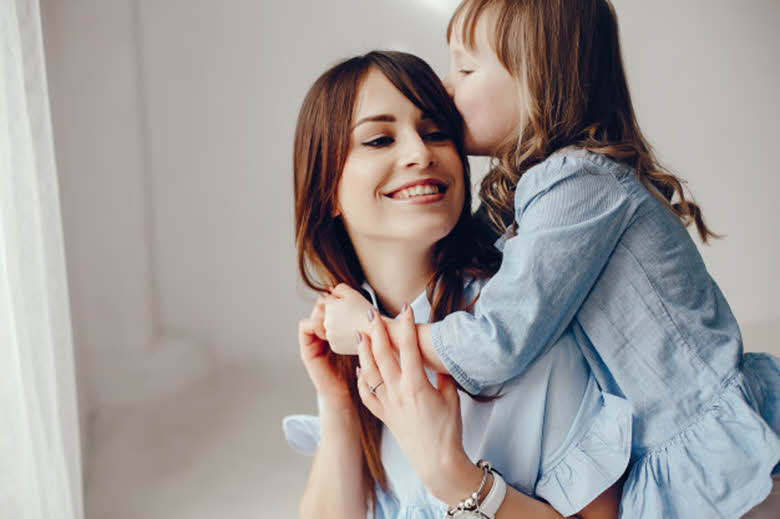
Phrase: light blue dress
(597, 254)
(552, 434)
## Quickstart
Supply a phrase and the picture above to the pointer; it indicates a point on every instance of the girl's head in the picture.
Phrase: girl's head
(379, 162)
(534, 76)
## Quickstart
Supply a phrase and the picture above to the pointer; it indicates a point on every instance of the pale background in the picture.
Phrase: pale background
(173, 126)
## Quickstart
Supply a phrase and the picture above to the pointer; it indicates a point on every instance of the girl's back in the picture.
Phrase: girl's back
(656, 329)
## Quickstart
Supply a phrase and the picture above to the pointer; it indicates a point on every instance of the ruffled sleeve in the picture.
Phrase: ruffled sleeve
(593, 458)
(302, 432)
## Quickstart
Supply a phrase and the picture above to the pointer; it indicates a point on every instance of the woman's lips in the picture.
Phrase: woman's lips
(420, 189)
(420, 199)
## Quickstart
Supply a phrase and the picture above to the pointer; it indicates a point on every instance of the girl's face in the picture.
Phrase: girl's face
(403, 178)
(486, 95)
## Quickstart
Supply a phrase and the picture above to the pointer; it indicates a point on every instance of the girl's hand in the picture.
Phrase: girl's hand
(425, 420)
(327, 381)
(345, 315)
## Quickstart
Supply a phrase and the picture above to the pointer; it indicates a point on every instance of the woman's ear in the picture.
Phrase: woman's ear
(335, 211)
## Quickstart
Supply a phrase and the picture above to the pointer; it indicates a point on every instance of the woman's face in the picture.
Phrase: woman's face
(403, 178)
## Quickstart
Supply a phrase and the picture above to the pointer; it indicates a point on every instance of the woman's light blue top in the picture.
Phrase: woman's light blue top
(552, 434)
(597, 254)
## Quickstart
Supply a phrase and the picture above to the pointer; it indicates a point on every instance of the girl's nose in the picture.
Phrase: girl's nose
(448, 85)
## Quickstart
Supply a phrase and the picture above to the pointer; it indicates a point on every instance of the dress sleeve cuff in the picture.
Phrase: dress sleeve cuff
(592, 463)
(302, 432)
(440, 347)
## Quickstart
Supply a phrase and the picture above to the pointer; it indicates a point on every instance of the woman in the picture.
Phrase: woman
(382, 202)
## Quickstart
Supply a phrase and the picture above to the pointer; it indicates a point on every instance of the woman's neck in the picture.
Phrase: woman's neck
(398, 274)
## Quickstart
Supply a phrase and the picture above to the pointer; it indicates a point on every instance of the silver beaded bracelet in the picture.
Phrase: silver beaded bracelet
(472, 503)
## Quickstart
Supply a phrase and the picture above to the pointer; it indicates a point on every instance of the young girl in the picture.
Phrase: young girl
(595, 245)
(382, 202)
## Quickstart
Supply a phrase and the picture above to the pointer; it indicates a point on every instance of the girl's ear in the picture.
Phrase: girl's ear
(335, 212)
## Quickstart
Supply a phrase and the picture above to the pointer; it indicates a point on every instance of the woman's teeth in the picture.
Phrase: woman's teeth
(419, 190)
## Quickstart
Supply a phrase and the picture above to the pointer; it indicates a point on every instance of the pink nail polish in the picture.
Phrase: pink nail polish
(370, 314)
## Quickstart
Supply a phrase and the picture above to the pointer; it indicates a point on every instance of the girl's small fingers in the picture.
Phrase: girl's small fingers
(382, 349)
(340, 289)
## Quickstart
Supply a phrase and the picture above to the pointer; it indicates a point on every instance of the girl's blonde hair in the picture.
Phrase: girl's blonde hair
(565, 56)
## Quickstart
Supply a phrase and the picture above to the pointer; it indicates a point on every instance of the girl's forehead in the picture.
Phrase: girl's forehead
(469, 26)
(473, 39)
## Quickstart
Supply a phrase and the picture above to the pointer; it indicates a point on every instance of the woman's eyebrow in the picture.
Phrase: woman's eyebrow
(387, 118)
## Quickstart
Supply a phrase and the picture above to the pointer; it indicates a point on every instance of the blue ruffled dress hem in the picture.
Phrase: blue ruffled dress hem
(721, 465)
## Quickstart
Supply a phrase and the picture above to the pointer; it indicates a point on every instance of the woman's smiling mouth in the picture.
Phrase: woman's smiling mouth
(424, 190)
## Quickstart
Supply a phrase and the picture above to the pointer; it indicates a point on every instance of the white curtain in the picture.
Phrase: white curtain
(40, 459)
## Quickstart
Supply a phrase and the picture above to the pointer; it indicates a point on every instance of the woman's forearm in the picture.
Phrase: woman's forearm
(336, 488)
(464, 478)
(517, 505)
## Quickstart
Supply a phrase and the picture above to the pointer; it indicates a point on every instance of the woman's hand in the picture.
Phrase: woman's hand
(425, 420)
(327, 381)
(345, 314)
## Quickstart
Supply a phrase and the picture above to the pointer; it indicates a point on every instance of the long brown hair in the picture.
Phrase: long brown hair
(325, 253)
(565, 55)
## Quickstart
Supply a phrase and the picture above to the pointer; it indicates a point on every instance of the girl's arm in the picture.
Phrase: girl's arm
(570, 215)
(336, 486)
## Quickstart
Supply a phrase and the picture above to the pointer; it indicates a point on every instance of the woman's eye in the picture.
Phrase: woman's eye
(437, 136)
(378, 142)
(464, 71)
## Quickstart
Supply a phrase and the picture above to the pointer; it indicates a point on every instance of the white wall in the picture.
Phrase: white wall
(173, 126)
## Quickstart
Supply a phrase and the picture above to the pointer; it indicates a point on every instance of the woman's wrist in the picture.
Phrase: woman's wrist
(457, 479)
(337, 414)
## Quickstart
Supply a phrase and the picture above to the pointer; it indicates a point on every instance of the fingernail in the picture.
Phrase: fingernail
(370, 314)
(405, 308)
(358, 337)
(357, 371)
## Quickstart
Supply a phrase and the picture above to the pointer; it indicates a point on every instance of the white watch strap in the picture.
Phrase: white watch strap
(489, 506)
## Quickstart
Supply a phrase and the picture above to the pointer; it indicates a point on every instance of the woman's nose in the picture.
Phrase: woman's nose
(417, 153)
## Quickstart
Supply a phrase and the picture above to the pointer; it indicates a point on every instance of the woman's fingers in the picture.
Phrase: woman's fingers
(311, 346)
(382, 348)
(318, 318)
(446, 386)
(409, 347)
(369, 372)
(371, 401)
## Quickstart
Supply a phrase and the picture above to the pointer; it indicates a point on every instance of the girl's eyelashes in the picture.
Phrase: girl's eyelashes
(464, 71)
